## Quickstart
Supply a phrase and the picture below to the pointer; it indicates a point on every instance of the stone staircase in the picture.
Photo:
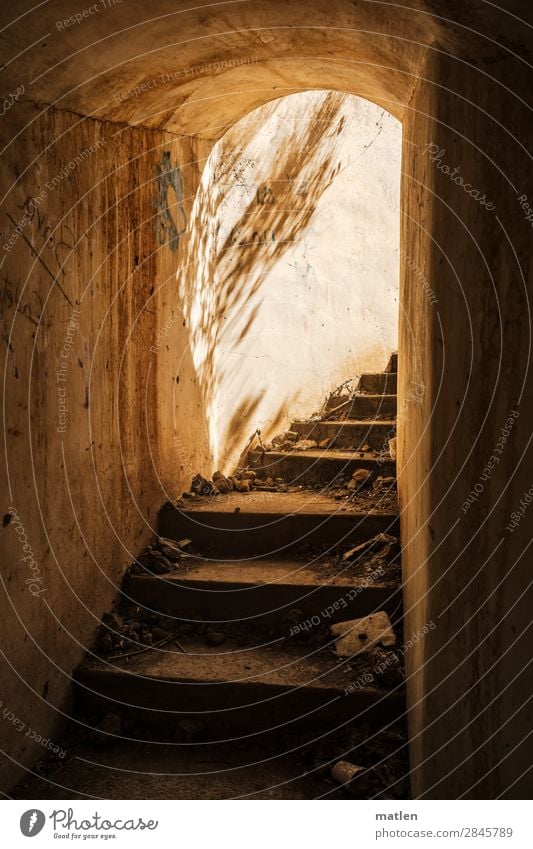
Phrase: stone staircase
(239, 635)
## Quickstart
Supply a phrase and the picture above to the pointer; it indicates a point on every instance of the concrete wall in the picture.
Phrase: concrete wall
(293, 279)
(99, 428)
(465, 430)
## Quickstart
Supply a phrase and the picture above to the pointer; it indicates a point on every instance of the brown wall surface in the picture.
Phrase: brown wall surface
(98, 432)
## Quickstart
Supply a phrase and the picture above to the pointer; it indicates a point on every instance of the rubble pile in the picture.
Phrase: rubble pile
(162, 556)
(362, 763)
(243, 481)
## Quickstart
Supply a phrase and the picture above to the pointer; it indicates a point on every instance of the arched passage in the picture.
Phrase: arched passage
(104, 111)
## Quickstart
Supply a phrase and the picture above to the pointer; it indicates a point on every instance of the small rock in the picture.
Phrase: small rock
(241, 486)
(343, 772)
(360, 478)
(222, 483)
(326, 443)
(248, 475)
(392, 448)
(361, 635)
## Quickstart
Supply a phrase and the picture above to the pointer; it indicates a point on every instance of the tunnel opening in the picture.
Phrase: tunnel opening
(290, 279)
(95, 146)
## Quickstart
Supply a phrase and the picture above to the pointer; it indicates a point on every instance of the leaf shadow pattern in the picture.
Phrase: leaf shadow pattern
(228, 259)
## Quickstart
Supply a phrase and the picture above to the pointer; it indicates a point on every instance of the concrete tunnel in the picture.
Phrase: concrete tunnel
(110, 125)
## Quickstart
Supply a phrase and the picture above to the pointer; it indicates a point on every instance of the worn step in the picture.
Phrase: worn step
(264, 592)
(321, 466)
(371, 407)
(349, 434)
(270, 523)
(379, 383)
(235, 690)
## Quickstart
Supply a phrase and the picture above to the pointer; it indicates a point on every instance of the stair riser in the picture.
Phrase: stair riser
(343, 435)
(372, 406)
(302, 470)
(260, 534)
(381, 383)
(266, 605)
(230, 708)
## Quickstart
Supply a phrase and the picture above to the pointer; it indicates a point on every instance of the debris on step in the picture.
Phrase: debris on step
(161, 556)
(343, 772)
(380, 544)
(289, 436)
(362, 635)
(359, 479)
(201, 486)
(388, 669)
(241, 485)
(222, 483)
(328, 442)
(392, 447)
(305, 444)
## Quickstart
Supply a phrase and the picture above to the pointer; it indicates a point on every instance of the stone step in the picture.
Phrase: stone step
(380, 383)
(372, 407)
(321, 466)
(270, 524)
(349, 434)
(236, 690)
(265, 592)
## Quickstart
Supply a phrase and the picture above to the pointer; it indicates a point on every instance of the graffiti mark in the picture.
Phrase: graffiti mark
(169, 179)
(38, 257)
(10, 297)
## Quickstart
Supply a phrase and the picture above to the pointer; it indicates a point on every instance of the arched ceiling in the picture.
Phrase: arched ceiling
(197, 68)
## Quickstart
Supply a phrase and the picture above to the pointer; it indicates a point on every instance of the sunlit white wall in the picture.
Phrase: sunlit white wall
(320, 309)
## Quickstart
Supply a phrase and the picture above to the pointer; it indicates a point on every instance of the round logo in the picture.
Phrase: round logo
(32, 822)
